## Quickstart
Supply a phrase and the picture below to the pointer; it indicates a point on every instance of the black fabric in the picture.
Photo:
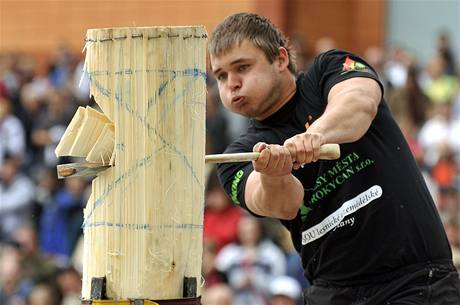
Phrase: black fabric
(429, 284)
(363, 216)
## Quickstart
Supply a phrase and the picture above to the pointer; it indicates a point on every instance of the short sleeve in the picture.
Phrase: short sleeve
(233, 176)
(335, 66)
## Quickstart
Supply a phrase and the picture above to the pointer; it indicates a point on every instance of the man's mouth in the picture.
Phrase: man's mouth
(238, 100)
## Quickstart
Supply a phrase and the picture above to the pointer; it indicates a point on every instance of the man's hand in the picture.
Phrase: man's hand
(274, 160)
(271, 189)
(304, 148)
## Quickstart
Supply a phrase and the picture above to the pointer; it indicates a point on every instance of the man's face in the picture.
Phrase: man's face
(248, 82)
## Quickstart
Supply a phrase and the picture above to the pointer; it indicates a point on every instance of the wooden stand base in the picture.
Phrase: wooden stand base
(186, 301)
(98, 295)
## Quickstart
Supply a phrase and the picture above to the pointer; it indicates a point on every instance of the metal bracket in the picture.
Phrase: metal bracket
(98, 288)
(189, 287)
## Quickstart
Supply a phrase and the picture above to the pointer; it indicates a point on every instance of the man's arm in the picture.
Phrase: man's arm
(271, 190)
(352, 105)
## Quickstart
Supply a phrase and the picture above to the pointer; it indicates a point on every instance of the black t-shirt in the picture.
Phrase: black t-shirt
(363, 216)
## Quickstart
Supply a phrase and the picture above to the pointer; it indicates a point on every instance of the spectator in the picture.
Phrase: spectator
(12, 136)
(16, 194)
(218, 295)
(47, 186)
(31, 97)
(34, 265)
(251, 264)
(42, 295)
(410, 132)
(395, 67)
(9, 78)
(285, 290)
(60, 70)
(69, 284)
(221, 217)
(61, 220)
(435, 133)
(13, 287)
(210, 274)
(449, 202)
(50, 125)
(441, 87)
(445, 169)
(445, 51)
(409, 102)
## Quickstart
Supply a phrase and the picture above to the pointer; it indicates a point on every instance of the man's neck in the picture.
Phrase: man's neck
(288, 90)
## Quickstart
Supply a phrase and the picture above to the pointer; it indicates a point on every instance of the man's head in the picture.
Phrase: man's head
(257, 29)
(253, 65)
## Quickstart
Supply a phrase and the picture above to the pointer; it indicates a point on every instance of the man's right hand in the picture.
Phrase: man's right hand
(274, 160)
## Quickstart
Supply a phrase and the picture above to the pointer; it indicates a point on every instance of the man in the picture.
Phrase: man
(365, 225)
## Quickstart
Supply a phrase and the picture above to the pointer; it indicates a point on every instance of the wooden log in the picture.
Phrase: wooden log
(143, 222)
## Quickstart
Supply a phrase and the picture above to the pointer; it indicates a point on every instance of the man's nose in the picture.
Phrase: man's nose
(234, 82)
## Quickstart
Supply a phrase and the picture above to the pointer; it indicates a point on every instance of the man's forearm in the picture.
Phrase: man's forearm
(278, 197)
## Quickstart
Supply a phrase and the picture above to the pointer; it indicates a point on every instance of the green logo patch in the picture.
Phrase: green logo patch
(234, 188)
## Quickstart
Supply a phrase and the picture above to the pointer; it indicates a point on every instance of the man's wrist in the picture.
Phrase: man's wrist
(269, 180)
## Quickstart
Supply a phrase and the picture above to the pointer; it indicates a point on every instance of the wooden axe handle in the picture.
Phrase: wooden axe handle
(327, 152)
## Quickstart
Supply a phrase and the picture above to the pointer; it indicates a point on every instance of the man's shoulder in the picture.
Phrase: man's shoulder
(335, 52)
(319, 63)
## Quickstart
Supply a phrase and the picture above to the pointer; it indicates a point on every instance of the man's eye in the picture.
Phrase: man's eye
(221, 77)
(243, 67)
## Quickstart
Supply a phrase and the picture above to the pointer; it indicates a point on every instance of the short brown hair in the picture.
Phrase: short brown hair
(258, 29)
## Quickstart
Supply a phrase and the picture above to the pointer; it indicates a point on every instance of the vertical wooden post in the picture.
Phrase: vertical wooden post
(143, 223)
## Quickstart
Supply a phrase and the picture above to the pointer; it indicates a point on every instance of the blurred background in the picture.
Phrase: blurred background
(414, 46)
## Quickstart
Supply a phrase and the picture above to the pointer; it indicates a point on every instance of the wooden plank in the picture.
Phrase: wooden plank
(102, 150)
(68, 138)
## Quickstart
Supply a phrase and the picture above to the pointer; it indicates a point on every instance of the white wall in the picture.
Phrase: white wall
(415, 25)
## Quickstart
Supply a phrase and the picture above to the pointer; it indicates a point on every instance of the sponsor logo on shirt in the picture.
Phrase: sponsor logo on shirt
(351, 65)
(333, 220)
(234, 188)
(304, 210)
(307, 123)
(346, 222)
(341, 172)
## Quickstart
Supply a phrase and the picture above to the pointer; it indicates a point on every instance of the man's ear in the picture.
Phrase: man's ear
(283, 58)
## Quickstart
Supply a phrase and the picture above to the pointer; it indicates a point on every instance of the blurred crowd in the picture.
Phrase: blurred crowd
(246, 260)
